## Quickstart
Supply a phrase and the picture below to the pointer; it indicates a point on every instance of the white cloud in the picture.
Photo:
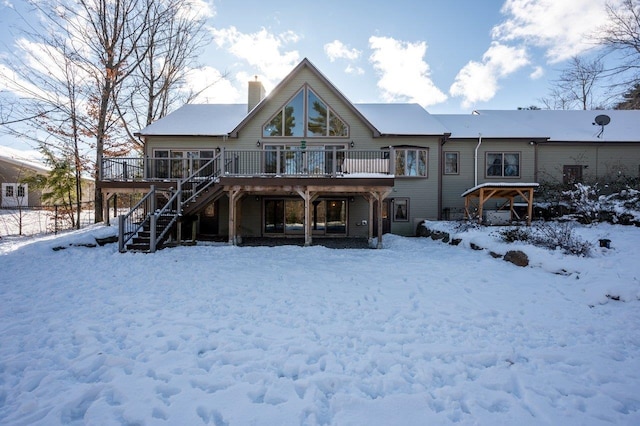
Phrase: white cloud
(214, 86)
(262, 50)
(537, 73)
(404, 75)
(354, 70)
(478, 81)
(338, 50)
(198, 9)
(561, 27)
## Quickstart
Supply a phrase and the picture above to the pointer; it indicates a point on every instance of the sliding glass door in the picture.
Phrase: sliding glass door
(286, 217)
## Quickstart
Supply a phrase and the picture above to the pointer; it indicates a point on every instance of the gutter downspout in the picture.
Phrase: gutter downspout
(475, 161)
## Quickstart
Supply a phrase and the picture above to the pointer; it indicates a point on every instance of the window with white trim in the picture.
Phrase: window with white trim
(503, 164)
(14, 194)
(411, 162)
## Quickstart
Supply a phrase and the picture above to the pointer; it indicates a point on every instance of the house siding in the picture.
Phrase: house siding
(599, 161)
(454, 185)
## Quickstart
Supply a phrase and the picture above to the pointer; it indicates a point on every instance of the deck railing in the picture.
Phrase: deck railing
(254, 163)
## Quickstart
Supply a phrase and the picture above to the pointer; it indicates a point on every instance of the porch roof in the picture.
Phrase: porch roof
(510, 191)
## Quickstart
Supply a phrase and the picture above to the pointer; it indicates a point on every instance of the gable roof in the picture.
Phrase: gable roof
(198, 120)
(574, 125)
(471, 126)
(305, 63)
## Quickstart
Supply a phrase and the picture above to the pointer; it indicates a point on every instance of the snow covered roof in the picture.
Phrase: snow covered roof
(465, 126)
(500, 185)
(401, 119)
(574, 126)
(25, 159)
(222, 119)
(198, 120)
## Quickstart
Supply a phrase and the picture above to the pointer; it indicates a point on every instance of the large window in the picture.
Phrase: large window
(503, 164)
(451, 163)
(305, 115)
(411, 162)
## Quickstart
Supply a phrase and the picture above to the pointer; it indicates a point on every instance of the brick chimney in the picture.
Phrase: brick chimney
(256, 93)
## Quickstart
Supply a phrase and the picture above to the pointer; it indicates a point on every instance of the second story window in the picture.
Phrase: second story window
(411, 162)
(305, 115)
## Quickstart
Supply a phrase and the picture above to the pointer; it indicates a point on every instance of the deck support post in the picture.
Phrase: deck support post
(234, 195)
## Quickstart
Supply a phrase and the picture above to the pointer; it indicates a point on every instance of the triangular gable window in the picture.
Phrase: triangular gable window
(306, 115)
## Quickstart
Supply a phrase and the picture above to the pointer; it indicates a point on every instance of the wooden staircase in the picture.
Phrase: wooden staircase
(146, 229)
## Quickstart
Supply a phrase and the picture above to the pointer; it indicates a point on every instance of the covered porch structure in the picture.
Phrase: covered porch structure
(476, 197)
(374, 190)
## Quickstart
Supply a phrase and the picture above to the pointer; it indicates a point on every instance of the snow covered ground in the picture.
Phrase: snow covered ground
(418, 333)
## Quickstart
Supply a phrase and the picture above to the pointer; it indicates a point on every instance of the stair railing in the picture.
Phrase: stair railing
(193, 185)
(201, 179)
(129, 224)
(172, 208)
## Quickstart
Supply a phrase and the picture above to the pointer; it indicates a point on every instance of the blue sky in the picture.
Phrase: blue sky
(448, 56)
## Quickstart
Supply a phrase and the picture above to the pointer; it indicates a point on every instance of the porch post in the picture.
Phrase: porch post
(306, 196)
(105, 208)
(179, 213)
(233, 195)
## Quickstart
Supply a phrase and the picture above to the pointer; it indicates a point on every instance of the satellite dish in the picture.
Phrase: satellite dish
(602, 120)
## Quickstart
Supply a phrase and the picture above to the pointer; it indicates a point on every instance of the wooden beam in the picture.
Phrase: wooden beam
(307, 196)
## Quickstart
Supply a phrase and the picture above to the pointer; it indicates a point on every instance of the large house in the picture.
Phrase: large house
(304, 161)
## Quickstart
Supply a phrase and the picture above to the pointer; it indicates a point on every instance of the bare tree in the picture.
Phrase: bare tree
(132, 57)
(168, 50)
(621, 35)
(52, 112)
(577, 85)
(630, 98)
(106, 36)
(557, 99)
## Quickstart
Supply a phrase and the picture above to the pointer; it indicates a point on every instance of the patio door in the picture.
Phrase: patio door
(286, 217)
(182, 163)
